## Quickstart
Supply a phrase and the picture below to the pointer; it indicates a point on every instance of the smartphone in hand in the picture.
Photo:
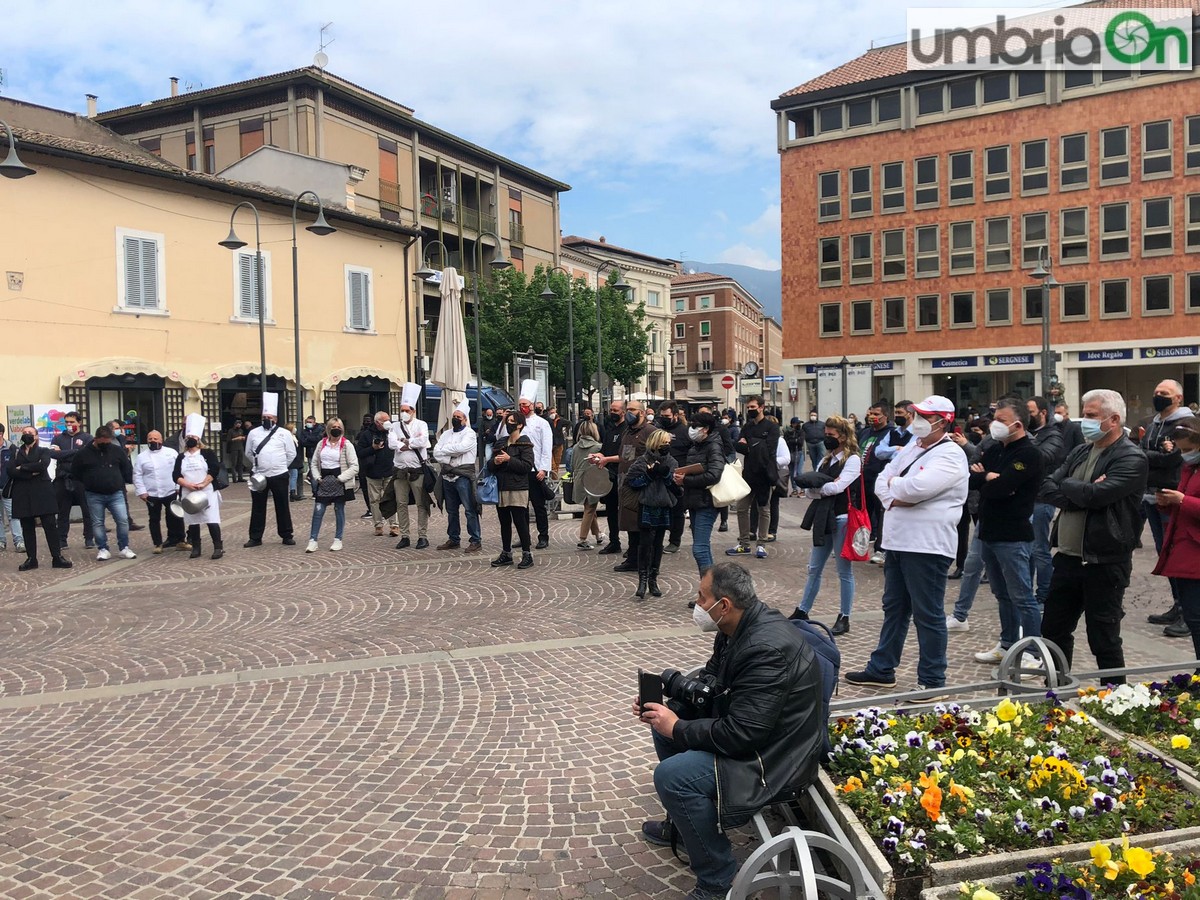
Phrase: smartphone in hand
(649, 688)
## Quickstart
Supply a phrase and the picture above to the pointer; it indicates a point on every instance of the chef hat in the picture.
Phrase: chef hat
(464, 408)
(195, 425)
(529, 390)
(410, 394)
(270, 404)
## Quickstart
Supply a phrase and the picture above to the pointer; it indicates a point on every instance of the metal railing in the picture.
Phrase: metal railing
(456, 213)
(389, 195)
(516, 232)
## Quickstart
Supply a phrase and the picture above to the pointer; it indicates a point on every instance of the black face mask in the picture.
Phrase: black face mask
(335, 432)
(27, 439)
(615, 418)
(1161, 403)
(831, 443)
(901, 421)
(751, 415)
(666, 422)
(192, 443)
(154, 445)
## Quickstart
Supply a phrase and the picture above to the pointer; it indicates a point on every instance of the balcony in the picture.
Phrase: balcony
(389, 195)
(516, 232)
(706, 365)
(452, 213)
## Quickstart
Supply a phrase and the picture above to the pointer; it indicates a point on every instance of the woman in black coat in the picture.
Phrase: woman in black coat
(511, 464)
(33, 498)
(708, 453)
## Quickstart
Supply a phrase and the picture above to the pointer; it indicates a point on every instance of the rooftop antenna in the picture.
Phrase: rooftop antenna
(321, 60)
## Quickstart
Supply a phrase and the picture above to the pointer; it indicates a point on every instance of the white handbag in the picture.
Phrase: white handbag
(732, 487)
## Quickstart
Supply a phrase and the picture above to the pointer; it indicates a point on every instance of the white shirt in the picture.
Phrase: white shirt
(539, 431)
(418, 439)
(457, 448)
(331, 456)
(152, 472)
(936, 485)
(276, 455)
(849, 474)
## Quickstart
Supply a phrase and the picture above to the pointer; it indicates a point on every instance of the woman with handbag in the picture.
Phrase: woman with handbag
(652, 476)
(196, 468)
(839, 475)
(586, 443)
(334, 468)
(705, 463)
(511, 463)
(33, 501)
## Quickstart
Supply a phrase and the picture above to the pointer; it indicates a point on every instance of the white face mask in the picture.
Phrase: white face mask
(1058, 417)
(920, 428)
(998, 430)
(703, 620)
(406, 417)
(695, 433)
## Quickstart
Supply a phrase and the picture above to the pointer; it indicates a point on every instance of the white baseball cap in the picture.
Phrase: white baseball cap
(935, 405)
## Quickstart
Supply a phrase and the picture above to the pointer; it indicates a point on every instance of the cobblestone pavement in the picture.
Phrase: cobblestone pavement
(373, 723)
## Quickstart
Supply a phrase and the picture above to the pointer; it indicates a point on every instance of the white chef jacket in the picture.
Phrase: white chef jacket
(276, 455)
(152, 473)
(418, 439)
(457, 448)
(539, 431)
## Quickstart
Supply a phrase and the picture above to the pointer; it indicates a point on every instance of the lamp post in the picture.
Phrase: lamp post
(11, 166)
(1045, 274)
(233, 242)
(624, 288)
(844, 364)
(548, 294)
(425, 273)
(669, 369)
(321, 228)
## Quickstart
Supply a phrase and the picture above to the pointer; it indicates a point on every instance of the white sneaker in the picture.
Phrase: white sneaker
(877, 559)
(336, 545)
(127, 553)
(585, 545)
(103, 555)
(991, 656)
(602, 539)
(953, 624)
(311, 548)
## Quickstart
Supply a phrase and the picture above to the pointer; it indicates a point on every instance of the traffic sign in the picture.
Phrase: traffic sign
(727, 382)
(751, 386)
(773, 379)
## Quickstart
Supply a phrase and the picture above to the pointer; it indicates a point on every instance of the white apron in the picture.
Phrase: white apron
(195, 469)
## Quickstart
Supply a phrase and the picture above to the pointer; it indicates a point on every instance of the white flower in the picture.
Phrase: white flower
(942, 826)
(1196, 724)
(1029, 743)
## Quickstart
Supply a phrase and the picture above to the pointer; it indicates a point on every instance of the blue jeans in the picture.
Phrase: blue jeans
(815, 452)
(1041, 561)
(816, 564)
(293, 480)
(115, 504)
(13, 524)
(703, 518)
(972, 577)
(1158, 523)
(686, 782)
(339, 510)
(461, 492)
(914, 587)
(1007, 564)
(797, 467)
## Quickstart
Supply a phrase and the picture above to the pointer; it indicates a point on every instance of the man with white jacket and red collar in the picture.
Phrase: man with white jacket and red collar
(922, 489)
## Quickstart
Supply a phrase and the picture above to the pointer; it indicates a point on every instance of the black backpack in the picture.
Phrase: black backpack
(829, 659)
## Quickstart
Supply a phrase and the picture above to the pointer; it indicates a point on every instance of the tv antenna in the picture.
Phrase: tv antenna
(321, 60)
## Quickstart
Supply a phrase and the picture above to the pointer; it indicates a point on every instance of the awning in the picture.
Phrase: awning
(120, 365)
(233, 370)
(335, 378)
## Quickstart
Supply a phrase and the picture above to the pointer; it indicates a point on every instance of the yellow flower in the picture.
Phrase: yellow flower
(1006, 710)
(984, 894)
(1100, 855)
(891, 761)
(1140, 860)
(1181, 742)
(852, 784)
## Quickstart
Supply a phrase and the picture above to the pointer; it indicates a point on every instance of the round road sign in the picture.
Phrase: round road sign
(727, 382)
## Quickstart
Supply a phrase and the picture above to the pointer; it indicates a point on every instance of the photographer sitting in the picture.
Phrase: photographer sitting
(759, 734)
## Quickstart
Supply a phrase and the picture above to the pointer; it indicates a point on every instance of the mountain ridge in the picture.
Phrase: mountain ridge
(766, 285)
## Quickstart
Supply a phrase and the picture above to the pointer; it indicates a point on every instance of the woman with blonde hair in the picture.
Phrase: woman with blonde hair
(333, 469)
(831, 488)
(652, 475)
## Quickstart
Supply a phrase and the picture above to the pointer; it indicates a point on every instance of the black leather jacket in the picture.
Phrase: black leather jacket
(766, 732)
(1113, 527)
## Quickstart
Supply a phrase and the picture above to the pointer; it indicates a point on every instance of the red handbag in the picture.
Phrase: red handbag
(857, 545)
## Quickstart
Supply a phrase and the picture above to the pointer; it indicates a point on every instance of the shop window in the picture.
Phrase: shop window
(1193, 223)
(997, 176)
(895, 263)
(1073, 162)
(862, 317)
(1033, 237)
(931, 99)
(140, 272)
(928, 254)
(1035, 167)
(830, 189)
(1031, 304)
(1114, 299)
(830, 272)
(925, 190)
(831, 319)
(998, 247)
(891, 194)
(1156, 150)
(962, 248)
(245, 287)
(1191, 152)
(895, 314)
(1157, 295)
(862, 262)
(1073, 300)
(1193, 292)
(929, 312)
(1157, 237)
(962, 177)
(999, 306)
(1114, 155)
(1114, 231)
(1073, 236)
(962, 310)
(860, 191)
(359, 299)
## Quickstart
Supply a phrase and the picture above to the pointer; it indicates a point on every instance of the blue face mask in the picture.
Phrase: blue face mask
(1091, 429)
(1191, 457)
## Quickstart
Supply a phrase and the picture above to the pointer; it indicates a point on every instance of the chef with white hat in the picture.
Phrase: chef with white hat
(270, 449)
(409, 438)
(195, 469)
(154, 483)
(457, 450)
(539, 432)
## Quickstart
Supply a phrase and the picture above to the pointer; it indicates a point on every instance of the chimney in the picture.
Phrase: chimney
(91, 103)
(174, 86)
(602, 239)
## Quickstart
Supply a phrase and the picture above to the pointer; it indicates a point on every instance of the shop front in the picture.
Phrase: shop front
(1134, 372)
(353, 393)
(141, 395)
(972, 382)
(887, 383)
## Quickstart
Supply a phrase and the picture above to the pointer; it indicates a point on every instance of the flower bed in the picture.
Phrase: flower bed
(1164, 714)
(955, 784)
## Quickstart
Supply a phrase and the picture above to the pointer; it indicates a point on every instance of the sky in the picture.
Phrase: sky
(657, 113)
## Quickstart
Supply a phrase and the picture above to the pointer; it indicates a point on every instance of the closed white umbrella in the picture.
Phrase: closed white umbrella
(451, 367)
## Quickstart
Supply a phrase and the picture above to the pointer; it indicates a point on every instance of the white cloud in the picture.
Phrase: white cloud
(766, 224)
(745, 255)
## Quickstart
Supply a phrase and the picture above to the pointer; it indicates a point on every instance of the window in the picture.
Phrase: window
(862, 317)
(895, 264)
(1114, 231)
(997, 180)
(245, 287)
(359, 301)
(830, 117)
(1034, 237)
(862, 263)
(705, 328)
(892, 187)
(887, 107)
(1073, 162)
(1193, 292)
(680, 331)
(999, 306)
(704, 301)
(1157, 238)
(831, 261)
(931, 100)
(1030, 84)
(1191, 152)
(831, 319)
(653, 299)
(858, 112)
(1114, 155)
(929, 262)
(1193, 223)
(925, 191)
(963, 93)
(962, 310)
(997, 88)
(962, 247)
(894, 314)
(860, 191)
(1077, 78)
(962, 177)
(140, 272)
(929, 312)
(1114, 299)
(1035, 167)
(681, 305)
(1156, 150)
(997, 254)
(1074, 301)
(1031, 305)
(1073, 236)
(1157, 299)
(830, 188)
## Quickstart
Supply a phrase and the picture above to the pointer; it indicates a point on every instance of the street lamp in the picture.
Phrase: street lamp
(669, 369)
(12, 167)
(233, 242)
(548, 294)
(624, 288)
(844, 364)
(321, 228)
(1044, 273)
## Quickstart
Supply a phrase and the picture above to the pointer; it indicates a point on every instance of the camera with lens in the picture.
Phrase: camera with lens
(690, 698)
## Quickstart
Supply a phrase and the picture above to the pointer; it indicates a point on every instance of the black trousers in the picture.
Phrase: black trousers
(49, 529)
(510, 516)
(875, 512)
(650, 549)
(538, 502)
(1189, 602)
(157, 507)
(964, 537)
(612, 512)
(1095, 591)
(277, 487)
(678, 513)
(77, 496)
(214, 532)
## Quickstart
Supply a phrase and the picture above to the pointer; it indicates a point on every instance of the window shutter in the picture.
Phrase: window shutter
(247, 296)
(133, 274)
(360, 298)
(149, 274)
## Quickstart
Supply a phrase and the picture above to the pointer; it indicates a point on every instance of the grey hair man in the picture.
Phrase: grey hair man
(377, 462)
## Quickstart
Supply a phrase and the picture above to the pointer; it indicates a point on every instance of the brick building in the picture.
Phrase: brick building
(915, 206)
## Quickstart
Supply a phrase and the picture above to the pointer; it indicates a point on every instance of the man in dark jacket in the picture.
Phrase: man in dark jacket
(814, 439)
(103, 469)
(376, 461)
(1048, 439)
(757, 442)
(67, 491)
(761, 739)
(671, 421)
(1071, 433)
(7, 451)
(877, 428)
(612, 432)
(1099, 492)
(309, 437)
(793, 436)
